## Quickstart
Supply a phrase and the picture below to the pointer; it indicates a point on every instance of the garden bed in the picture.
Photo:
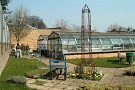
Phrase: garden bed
(89, 74)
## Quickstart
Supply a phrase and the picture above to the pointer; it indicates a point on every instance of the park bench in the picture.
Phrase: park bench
(57, 62)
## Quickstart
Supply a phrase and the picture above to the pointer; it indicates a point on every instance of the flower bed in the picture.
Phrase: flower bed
(90, 74)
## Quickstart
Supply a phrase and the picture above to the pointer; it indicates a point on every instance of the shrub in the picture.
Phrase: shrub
(36, 73)
(79, 69)
(89, 74)
(17, 80)
(25, 49)
(131, 71)
(91, 87)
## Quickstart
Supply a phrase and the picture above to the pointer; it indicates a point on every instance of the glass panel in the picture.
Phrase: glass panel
(106, 41)
(131, 37)
(96, 41)
(113, 37)
(116, 41)
(126, 41)
(133, 40)
(68, 42)
(122, 37)
(53, 36)
(95, 36)
(54, 43)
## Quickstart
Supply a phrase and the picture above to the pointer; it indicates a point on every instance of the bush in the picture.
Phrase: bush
(17, 80)
(91, 87)
(131, 71)
(36, 73)
(25, 49)
(81, 73)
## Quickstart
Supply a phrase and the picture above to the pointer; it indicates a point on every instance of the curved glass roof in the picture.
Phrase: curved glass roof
(71, 41)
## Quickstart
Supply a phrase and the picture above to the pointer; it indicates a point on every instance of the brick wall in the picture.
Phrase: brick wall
(95, 55)
(32, 37)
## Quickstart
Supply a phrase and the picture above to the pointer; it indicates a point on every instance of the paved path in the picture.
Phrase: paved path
(112, 76)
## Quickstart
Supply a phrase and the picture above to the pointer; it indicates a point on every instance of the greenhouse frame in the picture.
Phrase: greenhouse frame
(70, 42)
(42, 39)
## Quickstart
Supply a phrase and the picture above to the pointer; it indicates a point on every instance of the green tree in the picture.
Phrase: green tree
(36, 22)
(4, 3)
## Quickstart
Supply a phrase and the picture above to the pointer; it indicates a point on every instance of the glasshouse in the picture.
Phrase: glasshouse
(42, 39)
(70, 42)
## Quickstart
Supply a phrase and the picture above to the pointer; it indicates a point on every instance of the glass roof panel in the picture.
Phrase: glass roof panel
(96, 41)
(106, 41)
(126, 41)
(95, 36)
(133, 40)
(113, 37)
(66, 36)
(122, 37)
(116, 41)
(131, 37)
(53, 36)
(104, 36)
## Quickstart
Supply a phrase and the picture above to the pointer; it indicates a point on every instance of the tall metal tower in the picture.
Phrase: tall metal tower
(86, 37)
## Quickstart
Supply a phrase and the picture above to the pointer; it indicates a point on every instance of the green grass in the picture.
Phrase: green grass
(14, 67)
(111, 62)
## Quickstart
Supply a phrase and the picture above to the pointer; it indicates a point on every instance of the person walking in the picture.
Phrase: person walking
(42, 50)
(18, 50)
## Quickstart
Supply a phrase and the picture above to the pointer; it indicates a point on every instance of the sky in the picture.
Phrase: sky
(103, 12)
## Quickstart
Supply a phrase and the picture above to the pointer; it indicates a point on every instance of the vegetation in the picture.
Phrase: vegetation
(36, 22)
(115, 28)
(17, 80)
(36, 73)
(25, 49)
(61, 23)
(40, 83)
(18, 23)
(89, 74)
(131, 71)
(16, 67)
(4, 3)
(111, 62)
(112, 87)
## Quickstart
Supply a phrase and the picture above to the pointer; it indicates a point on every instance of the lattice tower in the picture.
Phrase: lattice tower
(86, 37)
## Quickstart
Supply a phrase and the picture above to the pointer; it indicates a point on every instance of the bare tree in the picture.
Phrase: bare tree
(75, 28)
(62, 23)
(114, 27)
(18, 23)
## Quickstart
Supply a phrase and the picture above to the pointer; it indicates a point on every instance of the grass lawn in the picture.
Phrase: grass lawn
(112, 62)
(16, 67)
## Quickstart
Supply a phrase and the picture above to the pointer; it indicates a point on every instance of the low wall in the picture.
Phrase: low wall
(3, 59)
(100, 55)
